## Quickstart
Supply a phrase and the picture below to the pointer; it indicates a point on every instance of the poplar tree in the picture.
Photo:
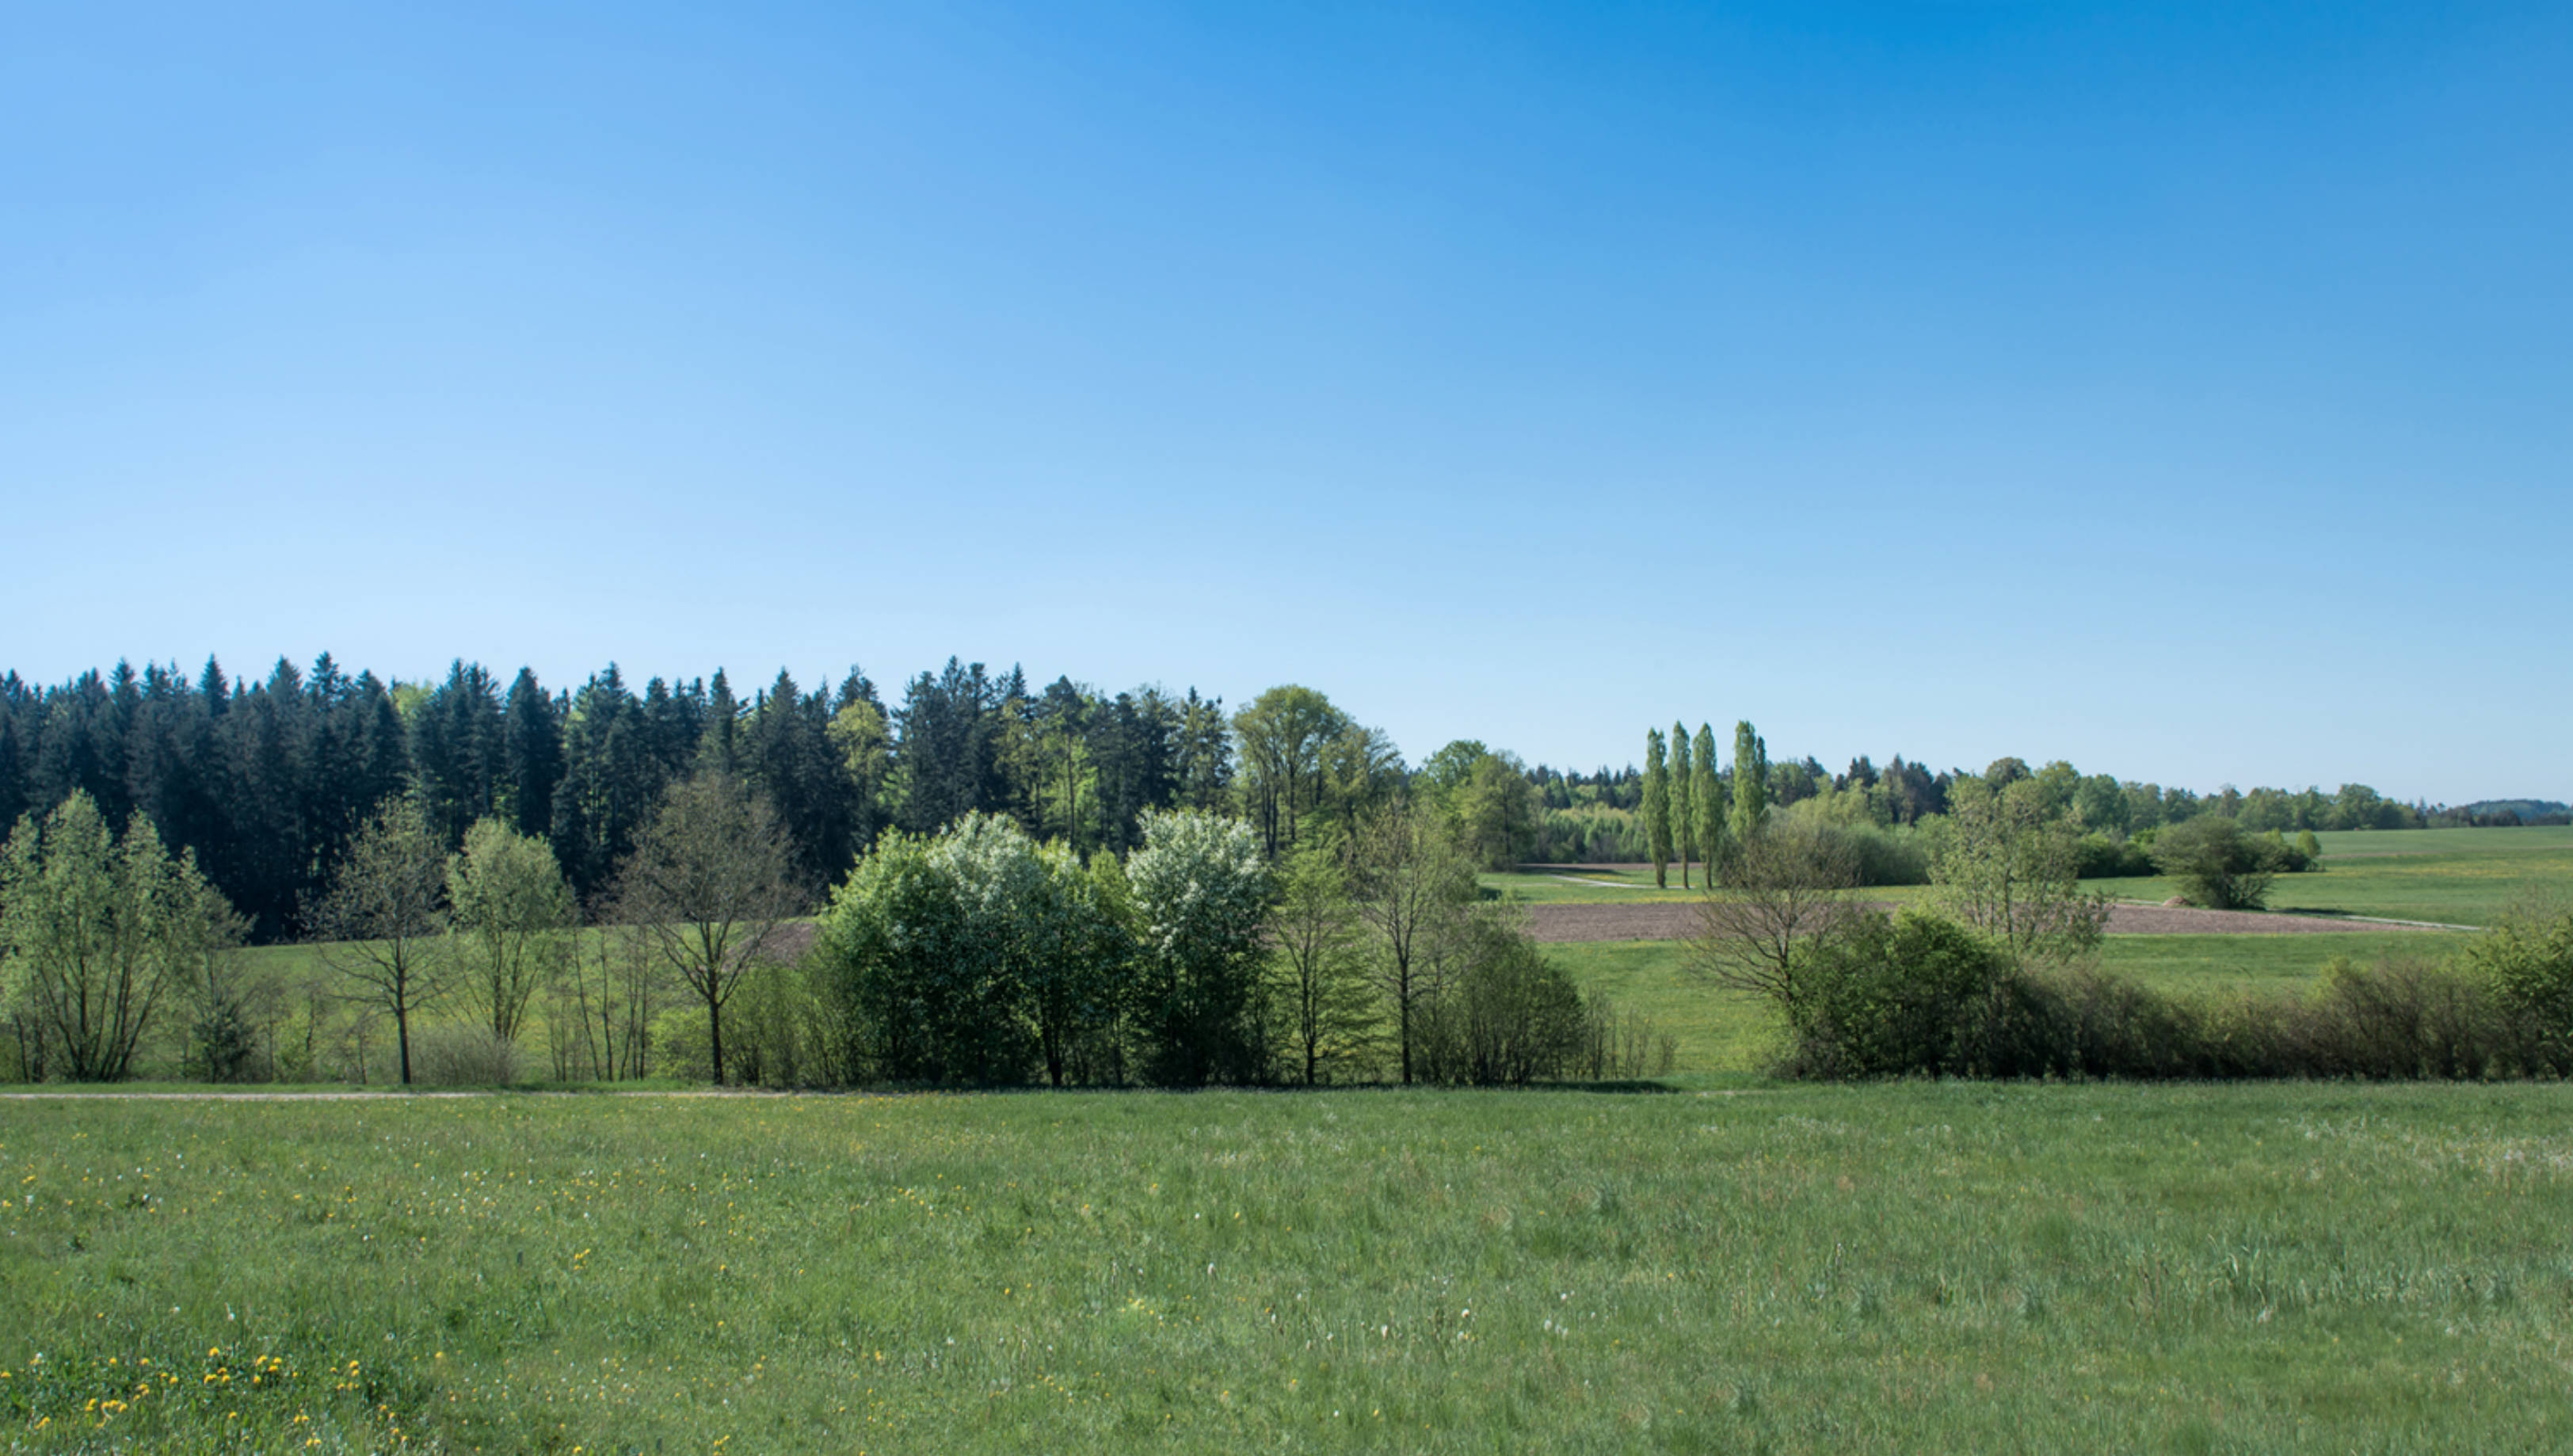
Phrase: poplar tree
(1657, 807)
(1683, 803)
(1750, 783)
(1706, 804)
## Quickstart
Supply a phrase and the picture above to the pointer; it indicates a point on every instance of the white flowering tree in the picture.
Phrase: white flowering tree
(1200, 891)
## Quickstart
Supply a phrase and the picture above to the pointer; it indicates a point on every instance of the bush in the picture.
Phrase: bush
(2528, 960)
(463, 1056)
(1924, 995)
(2218, 866)
(2100, 856)
(1622, 1045)
(1509, 1016)
(1889, 997)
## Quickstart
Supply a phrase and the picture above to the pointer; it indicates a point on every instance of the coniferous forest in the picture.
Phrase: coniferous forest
(264, 780)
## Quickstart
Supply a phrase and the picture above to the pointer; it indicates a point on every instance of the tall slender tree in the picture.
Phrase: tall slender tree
(1750, 784)
(1683, 802)
(1657, 807)
(1706, 803)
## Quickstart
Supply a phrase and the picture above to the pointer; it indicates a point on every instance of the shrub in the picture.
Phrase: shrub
(2528, 960)
(464, 1056)
(2217, 865)
(1889, 997)
(1508, 1015)
(2101, 857)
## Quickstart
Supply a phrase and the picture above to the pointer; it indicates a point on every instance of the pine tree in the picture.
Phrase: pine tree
(718, 748)
(531, 756)
(1750, 784)
(1657, 807)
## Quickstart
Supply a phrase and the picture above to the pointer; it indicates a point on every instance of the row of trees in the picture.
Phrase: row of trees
(975, 955)
(980, 956)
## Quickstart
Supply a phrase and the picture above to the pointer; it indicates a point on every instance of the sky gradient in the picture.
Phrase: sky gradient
(2182, 391)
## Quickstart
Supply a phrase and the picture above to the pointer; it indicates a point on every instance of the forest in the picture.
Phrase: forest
(983, 883)
(265, 781)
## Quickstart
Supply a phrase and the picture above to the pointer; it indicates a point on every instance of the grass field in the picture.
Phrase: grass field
(1724, 1033)
(2449, 876)
(1895, 1267)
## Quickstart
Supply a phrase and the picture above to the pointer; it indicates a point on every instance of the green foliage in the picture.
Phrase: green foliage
(1750, 783)
(1326, 1015)
(512, 912)
(925, 947)
(1657, 806)
(710, 881)
(385, 915)
(2097, 855)
(2216, 864)
(1683, 803)
(1492, 810)
(2006, 867)
(1894, 996)
(1286, 735)
(2528, 960)
(1504, 1014)
(1201, 894)
(96, 933)
(1706, 803)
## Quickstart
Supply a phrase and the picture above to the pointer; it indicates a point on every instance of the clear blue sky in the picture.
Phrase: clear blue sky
(2184, 391)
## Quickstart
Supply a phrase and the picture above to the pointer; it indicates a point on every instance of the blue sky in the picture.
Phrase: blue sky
(2181, 391)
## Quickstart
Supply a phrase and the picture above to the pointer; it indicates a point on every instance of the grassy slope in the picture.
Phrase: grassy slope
(1899, 1267)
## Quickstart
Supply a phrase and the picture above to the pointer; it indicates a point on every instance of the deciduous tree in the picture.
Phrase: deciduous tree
(1407, 882)
(709, 882)
(1657, 806)
(512, 914)
(384, 919)
(95, 934)
(1750, 784)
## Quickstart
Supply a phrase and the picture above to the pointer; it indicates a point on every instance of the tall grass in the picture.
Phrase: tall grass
(1898, 1267)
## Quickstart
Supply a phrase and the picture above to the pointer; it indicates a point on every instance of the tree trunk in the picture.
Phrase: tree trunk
(714, 1035)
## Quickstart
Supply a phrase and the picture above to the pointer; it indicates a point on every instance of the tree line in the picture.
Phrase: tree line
(977, 955)
(266, 781)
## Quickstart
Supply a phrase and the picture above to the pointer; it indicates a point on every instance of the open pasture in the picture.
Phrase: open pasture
(2448, 876)
(1811, 1269)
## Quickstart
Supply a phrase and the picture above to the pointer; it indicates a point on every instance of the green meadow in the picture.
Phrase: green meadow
(1897, 1267)
(2465, 877)
(2448, 876)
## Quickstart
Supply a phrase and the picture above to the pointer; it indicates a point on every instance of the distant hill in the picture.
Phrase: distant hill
(2524, 811)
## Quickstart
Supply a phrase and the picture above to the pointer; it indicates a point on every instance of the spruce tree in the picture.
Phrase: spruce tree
(1657, 807)
(1750, 784)
(532, 750)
